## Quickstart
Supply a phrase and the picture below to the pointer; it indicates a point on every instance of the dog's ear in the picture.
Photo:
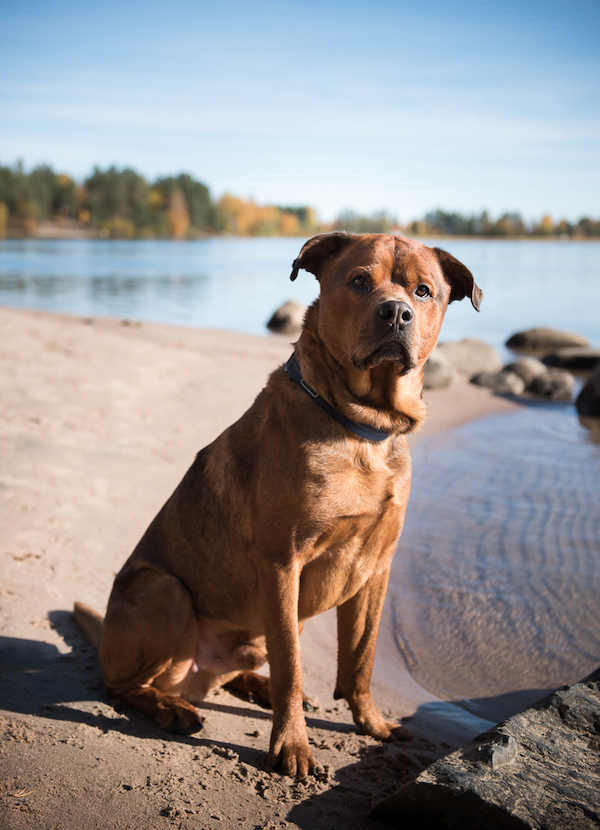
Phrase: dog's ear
(317, 250)
(460, 278)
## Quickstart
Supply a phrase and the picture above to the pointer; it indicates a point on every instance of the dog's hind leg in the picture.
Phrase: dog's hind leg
(147, 647)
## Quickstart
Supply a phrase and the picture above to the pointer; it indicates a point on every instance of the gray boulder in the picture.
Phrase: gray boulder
(545, 339)
(588, 400)
(288, 319)
(504, 382)
(439, 372)
(471, 356)
(556, 384)
(538, 770)
(527, 368)
(573, 357)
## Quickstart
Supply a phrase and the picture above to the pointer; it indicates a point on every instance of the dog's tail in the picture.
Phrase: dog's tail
(90, 622)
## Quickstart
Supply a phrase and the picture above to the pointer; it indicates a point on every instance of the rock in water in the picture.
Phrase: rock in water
(527, 368)
(471, 356)
(439, 372)
(573, 357)
(288, 318)
(540, 339)
(556, 384)
(505, 382)
(539, 769)
(588, 400)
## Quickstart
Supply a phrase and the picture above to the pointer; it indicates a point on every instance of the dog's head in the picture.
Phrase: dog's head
(383, 297)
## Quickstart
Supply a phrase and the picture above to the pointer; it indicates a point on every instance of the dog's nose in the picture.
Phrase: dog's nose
(396, 313)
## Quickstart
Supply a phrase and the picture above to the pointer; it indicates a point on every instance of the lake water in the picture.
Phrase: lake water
(236, 284)
(495, 589)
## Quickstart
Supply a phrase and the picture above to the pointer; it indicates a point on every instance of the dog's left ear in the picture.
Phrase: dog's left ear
(460, 278)
(317, 250)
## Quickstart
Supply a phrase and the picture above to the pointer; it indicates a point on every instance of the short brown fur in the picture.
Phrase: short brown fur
(288, 513)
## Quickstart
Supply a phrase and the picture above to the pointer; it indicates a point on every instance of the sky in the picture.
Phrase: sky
(365, 106)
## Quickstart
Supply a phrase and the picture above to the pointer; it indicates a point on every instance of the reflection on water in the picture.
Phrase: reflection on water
(237, 283)
(223, 283)
(496, 582)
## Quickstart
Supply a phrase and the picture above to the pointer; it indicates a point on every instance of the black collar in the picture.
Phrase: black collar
(292, 367)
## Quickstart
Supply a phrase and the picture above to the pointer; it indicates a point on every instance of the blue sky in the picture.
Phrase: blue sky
(382, 105)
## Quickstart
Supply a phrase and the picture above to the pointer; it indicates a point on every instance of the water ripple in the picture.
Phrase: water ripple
(495, 586)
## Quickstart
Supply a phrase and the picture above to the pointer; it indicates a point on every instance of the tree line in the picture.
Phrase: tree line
(121, 204)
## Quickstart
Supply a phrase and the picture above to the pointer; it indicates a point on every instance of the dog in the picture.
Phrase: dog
(294, 509)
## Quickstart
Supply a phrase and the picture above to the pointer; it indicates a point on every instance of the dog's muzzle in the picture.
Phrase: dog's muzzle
(391, 337)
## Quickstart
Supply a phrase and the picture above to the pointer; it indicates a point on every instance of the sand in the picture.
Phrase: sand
(99, 421)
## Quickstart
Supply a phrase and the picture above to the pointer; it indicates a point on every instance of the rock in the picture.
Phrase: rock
(539, 769)
(288, 319)
(471, 356)
(505, 382)
(573, 357)
(556, 384)
(439, 372)
(588, 400)
(545, 339)
(527, 368)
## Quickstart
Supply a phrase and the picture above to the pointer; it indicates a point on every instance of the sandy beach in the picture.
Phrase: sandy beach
(99, 421)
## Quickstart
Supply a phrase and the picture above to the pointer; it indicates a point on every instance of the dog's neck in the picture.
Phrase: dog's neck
(381, 397)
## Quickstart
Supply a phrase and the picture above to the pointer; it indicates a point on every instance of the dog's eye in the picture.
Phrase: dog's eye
(423, 291)
(360, 283)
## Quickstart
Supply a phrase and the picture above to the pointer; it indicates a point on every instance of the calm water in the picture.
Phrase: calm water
(495, 588)
(237, 283)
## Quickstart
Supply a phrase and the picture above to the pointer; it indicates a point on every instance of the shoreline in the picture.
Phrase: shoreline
(101, 419)
(59, 232)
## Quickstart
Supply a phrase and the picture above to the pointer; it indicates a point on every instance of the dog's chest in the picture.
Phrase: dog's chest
(347, 481)
(356, 517)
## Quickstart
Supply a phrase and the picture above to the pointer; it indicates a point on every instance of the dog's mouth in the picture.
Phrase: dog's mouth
(392, 350)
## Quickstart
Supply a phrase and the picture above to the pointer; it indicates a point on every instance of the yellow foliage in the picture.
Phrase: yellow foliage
(155, 199)
(84, 216)
(64, 181)
(119, 228)
(311, 220)
(242, 218)
(3, 218)
(547, 225)
(178, 214)
(289, 224)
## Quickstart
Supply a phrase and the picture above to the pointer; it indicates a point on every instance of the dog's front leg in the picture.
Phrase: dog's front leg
(289, 748)
(358, 623)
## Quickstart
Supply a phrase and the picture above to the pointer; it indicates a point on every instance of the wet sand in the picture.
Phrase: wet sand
(99, 421)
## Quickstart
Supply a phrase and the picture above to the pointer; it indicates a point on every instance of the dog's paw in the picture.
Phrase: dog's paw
(291, 757)
(178, 715)
(384, 730)
(399, 733)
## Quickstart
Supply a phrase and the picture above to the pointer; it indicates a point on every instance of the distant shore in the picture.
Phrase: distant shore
(72, 229)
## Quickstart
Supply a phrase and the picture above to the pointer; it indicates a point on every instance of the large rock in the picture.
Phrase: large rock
(540, 769)
(588, 400)
(288, 319)
(556, 384)
(471, 356)
(505, 382)
(439, 372)
(545, 339)
(573, 357)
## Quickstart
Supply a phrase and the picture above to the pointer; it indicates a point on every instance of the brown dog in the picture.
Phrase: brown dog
(294, 509)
